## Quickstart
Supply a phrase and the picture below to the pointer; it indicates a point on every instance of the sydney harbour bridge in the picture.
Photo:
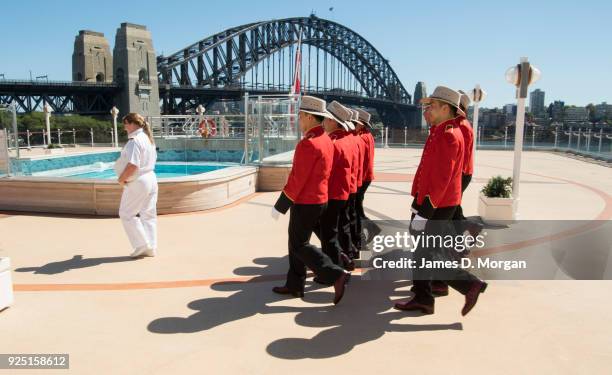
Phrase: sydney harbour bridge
(256, 58)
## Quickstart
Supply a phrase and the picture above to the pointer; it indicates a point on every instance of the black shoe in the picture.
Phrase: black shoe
(414, 305)
(472, 296)
(284, 290)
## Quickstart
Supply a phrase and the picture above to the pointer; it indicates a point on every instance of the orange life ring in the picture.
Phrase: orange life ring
(213, 127)
(202, 128)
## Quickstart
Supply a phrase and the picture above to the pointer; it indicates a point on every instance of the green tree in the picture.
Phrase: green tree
(592, 116)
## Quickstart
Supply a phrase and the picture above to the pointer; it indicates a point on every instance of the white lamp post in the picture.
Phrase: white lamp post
(47, 110)
(200, 111)
(476, 96)
(521, 76)
(115, 112)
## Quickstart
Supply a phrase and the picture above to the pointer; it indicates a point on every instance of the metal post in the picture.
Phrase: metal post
(74, 137)
(477, 95)
(518, 146)
(533, 137)
(9, 169)
(112, 133)
(579, 133)
(91, 133)
(569, 140)
(14, 120)
(115, 112)
(387, 137)
(589, 140)
(47, 110)
(475, 127)
(405, 136)
(506, 138)
(600, 138)
(260, 128)
(28, 134)
(44, 137)
(59, 137)
(246, 126)
(556, 136)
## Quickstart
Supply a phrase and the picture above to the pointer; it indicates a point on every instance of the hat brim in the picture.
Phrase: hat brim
(340, 122)
(324, 114)
(430, 99)
(358, 122)
(350, 125)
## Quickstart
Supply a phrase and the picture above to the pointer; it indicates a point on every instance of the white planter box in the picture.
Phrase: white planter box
(6, 284)
(55, 151)
(496, 209)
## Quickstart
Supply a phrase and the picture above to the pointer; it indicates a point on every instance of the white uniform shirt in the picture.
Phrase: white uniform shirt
(138, 151)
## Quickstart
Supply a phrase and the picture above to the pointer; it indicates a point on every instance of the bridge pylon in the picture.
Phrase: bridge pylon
(135, 68)
(92, 60)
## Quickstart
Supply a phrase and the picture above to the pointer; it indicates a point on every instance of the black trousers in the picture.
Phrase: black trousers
(355, 224)
(302, 220)
(457, 278)
(327, 229)
(465, 181)
(359, 199)
(344, 230)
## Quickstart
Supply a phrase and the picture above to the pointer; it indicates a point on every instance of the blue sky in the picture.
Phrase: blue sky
(457, 43)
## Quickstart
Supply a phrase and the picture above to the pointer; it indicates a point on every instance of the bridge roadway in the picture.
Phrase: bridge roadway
(62, 96)
(98, 98)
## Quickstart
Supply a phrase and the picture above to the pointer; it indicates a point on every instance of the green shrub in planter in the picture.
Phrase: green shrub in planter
(53, 145)
(498, 187)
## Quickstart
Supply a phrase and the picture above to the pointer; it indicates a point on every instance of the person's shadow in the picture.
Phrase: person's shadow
(75, 262)
(252, 297)
(362, 316)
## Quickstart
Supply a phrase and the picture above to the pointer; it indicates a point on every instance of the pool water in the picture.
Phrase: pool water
(161, 170)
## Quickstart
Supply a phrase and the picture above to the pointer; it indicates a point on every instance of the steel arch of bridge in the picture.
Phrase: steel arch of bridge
(221, 60)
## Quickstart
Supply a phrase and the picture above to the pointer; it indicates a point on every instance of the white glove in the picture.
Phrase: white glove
(418, 223)
(275, 214)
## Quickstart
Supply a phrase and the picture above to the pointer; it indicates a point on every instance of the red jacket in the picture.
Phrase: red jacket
(368, 161)
(437, 182)
(468, 142)
(312, 164)
(355, 166)
(362, 151)
(340, 178)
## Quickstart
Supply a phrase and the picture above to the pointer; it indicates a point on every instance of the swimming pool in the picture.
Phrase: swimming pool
(162, 170)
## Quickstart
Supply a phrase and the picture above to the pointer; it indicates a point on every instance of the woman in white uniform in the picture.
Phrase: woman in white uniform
(135, 168)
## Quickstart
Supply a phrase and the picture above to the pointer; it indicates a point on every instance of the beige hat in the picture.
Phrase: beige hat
(364, 117)
(464, 102)
(315, 106)
(355, 117)
(444, 94)
(342, 115)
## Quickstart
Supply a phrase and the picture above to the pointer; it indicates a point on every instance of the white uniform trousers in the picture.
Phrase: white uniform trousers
(140, 198)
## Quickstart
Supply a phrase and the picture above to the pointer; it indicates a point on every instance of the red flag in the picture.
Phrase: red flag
(296, 85)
